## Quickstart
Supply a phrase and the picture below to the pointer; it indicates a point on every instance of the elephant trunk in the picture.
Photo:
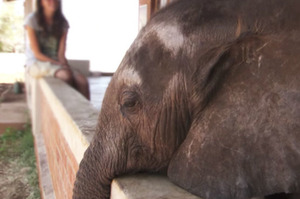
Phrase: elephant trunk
(100, 164)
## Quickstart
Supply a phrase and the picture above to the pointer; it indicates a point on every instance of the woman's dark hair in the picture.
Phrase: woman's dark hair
(59, 20)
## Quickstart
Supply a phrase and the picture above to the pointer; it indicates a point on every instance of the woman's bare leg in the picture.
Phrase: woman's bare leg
(65, 75)
(82, 84)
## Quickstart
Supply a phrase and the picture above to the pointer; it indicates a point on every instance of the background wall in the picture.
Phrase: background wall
(101, 31)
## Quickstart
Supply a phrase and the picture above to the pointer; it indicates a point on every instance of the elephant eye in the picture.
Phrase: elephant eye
(130, 102)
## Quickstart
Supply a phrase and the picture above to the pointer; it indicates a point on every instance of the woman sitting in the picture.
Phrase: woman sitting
(47, 30)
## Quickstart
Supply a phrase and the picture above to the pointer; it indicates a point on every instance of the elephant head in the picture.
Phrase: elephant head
(140, 123)
(209, 93)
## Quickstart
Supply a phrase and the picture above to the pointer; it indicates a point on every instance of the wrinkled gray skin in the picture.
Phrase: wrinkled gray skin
(209, 92)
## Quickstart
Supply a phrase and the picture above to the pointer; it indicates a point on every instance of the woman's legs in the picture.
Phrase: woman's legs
(65, 75)
(81, 84)
(74, 79)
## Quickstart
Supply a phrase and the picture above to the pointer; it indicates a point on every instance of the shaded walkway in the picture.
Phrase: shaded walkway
(98, 87)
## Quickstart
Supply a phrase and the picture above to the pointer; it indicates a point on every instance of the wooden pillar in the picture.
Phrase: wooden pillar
(148, 7)
(163, 3)
(146, 4)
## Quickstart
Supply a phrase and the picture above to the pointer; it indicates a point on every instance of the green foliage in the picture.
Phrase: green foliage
(10, 135)
(11, 27)
(18, 145)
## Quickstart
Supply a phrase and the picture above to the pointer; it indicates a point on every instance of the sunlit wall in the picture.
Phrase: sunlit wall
(101, 31)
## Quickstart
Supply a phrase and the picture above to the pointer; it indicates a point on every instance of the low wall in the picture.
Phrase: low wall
(66, 130)
(63, 125)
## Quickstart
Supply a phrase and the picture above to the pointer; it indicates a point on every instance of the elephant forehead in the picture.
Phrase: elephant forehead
(170, 36)
(130, 76)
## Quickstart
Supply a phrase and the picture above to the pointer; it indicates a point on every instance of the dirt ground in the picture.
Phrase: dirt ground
(13, 183)
(7, 94)
(18, 174)
(13, 108)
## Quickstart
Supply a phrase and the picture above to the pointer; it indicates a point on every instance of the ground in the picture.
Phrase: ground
(18, 174)
(13, 108)
(7, 95)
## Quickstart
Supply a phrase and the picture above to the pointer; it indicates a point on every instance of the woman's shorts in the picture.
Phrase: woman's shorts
(42, 69)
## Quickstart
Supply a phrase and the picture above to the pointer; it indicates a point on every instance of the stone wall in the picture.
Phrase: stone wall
(65, 131)
(62, 163)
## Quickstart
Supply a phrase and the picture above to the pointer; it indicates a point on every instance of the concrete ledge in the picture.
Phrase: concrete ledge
(63, 125)
(82, 66)
(145, 186)
(76, 116)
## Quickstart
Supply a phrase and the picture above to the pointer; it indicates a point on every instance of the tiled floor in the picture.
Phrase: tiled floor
(98, 87)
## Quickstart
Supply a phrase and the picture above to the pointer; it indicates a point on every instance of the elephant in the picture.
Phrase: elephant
(209, 95)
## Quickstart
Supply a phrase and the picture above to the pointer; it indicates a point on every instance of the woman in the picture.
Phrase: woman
(47, 30)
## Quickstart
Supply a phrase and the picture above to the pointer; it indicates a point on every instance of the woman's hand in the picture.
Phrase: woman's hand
(65, 66)
(61, 64)
(54, 62)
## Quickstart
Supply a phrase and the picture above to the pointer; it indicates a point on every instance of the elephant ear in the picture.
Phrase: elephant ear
(246, 141)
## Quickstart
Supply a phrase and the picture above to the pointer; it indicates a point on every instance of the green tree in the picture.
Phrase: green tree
(11, 27)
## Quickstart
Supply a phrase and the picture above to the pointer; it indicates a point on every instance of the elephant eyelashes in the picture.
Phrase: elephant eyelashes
(130, 102)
